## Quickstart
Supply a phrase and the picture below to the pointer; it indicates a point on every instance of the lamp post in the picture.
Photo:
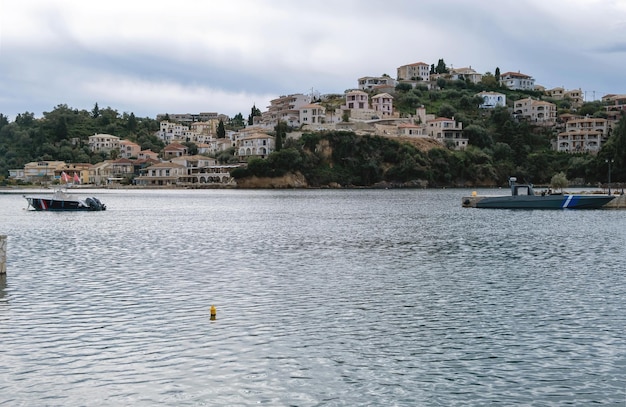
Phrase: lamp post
(609, 162)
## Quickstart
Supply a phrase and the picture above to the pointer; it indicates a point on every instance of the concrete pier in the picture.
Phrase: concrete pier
(3, 254)
(618, 203)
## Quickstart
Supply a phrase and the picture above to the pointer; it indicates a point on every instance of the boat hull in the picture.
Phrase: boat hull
(50, 204)
(539, 202)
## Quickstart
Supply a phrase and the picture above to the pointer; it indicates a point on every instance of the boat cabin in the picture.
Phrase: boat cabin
(520, 189)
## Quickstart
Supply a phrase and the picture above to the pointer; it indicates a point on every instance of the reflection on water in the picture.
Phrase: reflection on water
(323, 298)
(3, 286)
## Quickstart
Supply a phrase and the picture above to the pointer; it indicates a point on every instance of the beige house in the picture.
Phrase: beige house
(121, 168)
(416, 71)
(583, 135)
(357, 99)
(174, 150)
(147, 154)
(220, 144)
(257, 145)
(100, 173)
(358, 107)
(575, 96)
(614, 102)
(203, 170)
(446, 131)
(383, 104)
(534, 110)
(161, 174)
(110, 171)
(42, 171)
(465, 74)
(77, 170)
(103, 142)
(128, 149)
(412, 130)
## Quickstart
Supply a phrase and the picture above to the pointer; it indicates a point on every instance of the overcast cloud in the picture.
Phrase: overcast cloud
(192, 56)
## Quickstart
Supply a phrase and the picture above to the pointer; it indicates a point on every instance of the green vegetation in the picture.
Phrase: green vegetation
(559, 181)
(499, 145)
(63, 133)
(500, 148)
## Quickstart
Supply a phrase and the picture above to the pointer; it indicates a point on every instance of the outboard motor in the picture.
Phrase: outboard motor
(91, 203)
(101, 206)
(94, 204)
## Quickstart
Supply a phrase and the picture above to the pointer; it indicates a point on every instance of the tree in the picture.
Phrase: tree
(497, 75)
(95, 112)
(254, 112)
(488, 81)
(221, 131)
(281, 133)
(25, 119)
(237, 121)
(478, 136)
(192, 148)
(559, 181)
(446, 110)
(3, 120)
(441, 67)
(131, 123)
(403, 87)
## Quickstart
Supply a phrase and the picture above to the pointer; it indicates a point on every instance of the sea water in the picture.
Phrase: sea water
(323, 298)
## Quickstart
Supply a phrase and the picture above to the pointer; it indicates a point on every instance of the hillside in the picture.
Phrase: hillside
(500, 145)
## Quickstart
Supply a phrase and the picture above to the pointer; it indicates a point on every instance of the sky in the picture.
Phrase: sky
(192, 56)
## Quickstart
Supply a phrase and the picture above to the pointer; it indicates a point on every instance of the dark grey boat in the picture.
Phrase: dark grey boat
(523, 197)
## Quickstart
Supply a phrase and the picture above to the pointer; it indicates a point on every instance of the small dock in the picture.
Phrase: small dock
(618, 203)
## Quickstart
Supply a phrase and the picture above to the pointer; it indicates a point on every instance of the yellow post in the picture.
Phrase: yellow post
(213, 313)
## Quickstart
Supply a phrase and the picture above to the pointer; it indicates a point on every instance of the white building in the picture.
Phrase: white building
(170, 132)
(371, 82)
(285, 109)
(492, 99)
(517, 81)
(312, 113)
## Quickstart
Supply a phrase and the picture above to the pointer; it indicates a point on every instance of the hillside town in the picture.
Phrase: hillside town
(367, 109)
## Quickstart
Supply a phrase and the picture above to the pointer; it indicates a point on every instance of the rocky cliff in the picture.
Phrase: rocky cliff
(286, 181)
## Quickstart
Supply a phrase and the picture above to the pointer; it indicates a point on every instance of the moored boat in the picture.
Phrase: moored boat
(62, 201)
(524, 197)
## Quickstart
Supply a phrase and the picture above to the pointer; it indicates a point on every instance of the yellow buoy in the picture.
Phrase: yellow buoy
(474, 193)
(213, 312)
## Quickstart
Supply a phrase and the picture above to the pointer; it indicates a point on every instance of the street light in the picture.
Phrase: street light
(609, 162)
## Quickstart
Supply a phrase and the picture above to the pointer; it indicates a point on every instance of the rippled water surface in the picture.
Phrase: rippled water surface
(350, 297)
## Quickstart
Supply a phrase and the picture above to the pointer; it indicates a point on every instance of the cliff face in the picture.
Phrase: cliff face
(286, 181)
